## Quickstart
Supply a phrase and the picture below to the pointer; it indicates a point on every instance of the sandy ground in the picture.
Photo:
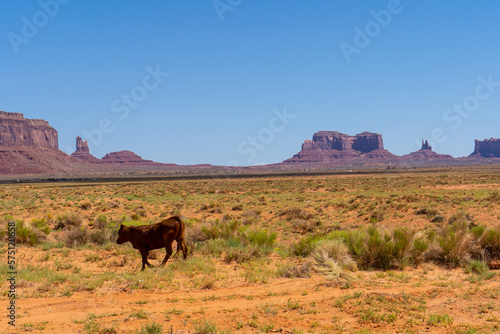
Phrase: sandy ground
(282, 305)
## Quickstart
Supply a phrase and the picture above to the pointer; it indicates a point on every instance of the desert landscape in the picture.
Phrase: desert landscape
(394, 252)
(316, 167)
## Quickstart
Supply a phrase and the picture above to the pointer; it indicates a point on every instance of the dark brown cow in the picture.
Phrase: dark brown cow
(148, 237)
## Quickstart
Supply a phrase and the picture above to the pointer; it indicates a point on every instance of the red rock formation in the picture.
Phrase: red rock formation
(426, 146)
(333, 146)
(126, 157)
(81, 145)
(15, 130)
(488, 148)
(426, 154)
(82, 151)
(30, 146)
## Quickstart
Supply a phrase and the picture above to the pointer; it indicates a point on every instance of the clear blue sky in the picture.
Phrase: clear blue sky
(234, 64)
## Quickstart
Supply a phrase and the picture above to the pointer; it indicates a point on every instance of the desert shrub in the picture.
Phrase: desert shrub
(489, 241)
(243, 254)
(388, 250)
(294, 213)
(103, 235)
(461, 218)
(305, 226)
(291, 270)
(376, 216)
(138, 214)
(354, 240)
(237, 207)
(262, 239)
(433, 214)
(250, 216)
(26, 235)
(85, 205)
(332, 258)
(455, 244)
(305, 246)
(194, 235)
(213, 207)
(68, 219)
(219, 229)
(77, 236)
(328, 251)
(215, 247)
(101, 221)
(42, 225)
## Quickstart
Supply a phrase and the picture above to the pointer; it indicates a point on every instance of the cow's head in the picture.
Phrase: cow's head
(122, 234)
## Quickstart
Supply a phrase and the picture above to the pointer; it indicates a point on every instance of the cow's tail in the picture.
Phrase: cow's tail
(181, 243)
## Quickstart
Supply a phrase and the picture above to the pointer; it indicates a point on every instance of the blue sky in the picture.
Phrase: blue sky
(246, 82)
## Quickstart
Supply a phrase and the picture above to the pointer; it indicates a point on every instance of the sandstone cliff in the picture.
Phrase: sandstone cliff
(30, 146)
(15, 130)
(488, 148)
(333, 146)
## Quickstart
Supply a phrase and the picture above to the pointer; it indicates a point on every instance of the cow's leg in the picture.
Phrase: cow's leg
(144, 254)
(184, 249)
(168, 252)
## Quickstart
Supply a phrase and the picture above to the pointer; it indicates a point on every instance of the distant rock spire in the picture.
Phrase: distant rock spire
(426, 146)
(82, 151)
(81, 145)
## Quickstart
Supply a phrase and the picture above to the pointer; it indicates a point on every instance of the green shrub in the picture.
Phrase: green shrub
(220, 229)
(477, 267)
(388, 250)
(305, 246)
(456, 244)
(262, 239)
(25, 235)
(42, 225)
(151, 328)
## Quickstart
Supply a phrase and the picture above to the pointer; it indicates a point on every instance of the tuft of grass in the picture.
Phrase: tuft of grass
(139, 314)
(439, 320)
(205, 326)
(151, 328)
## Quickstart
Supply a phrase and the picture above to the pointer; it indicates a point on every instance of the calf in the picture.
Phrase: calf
(148, 237)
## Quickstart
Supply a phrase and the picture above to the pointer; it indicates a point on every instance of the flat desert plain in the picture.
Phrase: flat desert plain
(399, 252)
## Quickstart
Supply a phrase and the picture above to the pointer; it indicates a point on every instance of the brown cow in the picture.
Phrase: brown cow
(148, 237)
